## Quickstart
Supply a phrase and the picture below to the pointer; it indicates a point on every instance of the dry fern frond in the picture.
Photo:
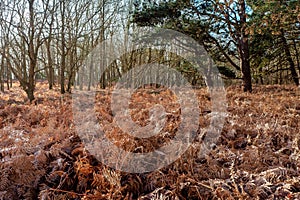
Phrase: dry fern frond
(160, 194)
(5, 172)
(278, 174)
(113, 177)
(256, 157)
(223, 194)
(98, 180)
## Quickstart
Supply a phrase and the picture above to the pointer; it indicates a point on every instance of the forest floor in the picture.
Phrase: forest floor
(257, 155)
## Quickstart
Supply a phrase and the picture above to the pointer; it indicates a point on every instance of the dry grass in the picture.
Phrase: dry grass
(256, 156)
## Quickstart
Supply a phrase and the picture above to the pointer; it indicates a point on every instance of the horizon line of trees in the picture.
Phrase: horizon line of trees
(255, 41)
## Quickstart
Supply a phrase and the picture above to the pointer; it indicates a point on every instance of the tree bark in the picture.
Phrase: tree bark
(32, 55)
(1, 72)
(49, 55)
(63, 50)
(243, 43)
(289, 58)
(71, 70)
(297, 55)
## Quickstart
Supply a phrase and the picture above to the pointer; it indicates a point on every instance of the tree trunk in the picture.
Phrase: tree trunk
(49, 56)
(63, 49)
(244, 48)
(102, 38)
(71, 77)
(51, 77)
(62, 73)
(31, 84)
(297, 55)
(1, 72)
(8, 75)
(72, 70)
(32, 54)
(289, 58)
(245, 65)
(30, 93)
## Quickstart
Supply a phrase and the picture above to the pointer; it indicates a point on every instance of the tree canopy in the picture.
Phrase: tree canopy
(240, 35)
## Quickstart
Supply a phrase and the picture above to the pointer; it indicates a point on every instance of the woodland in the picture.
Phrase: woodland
(47, 49)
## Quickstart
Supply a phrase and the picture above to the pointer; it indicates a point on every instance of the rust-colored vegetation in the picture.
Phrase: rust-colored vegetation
(257, 155)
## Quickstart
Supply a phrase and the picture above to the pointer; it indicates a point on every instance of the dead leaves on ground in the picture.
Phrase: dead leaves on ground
(256, 157)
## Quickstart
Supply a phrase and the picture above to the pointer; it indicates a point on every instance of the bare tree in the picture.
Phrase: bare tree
(25, 38)
(48, 42)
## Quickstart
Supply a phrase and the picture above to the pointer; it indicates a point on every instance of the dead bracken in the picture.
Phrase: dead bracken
(256, 156)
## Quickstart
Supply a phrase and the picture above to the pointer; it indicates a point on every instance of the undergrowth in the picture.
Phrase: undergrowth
(256, 156)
